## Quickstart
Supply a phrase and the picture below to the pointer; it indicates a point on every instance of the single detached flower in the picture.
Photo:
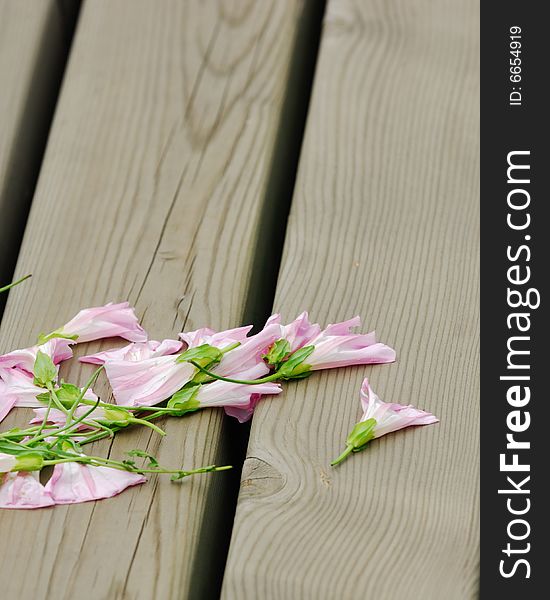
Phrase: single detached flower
(147, 382)
(23, 490)
(74, 482)
(218, 339)
(111, 320)
(57, 349)
(380, 418)
(135, 352)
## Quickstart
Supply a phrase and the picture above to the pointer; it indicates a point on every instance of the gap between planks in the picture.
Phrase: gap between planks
(35, 45)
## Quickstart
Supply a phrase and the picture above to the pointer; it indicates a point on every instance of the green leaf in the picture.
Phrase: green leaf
(184, 401)
(153, 462)
(44, 370)
(278, 352)
(8, 447)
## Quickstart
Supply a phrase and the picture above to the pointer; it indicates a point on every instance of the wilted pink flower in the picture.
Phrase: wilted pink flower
(17, 383)
(7, 462)
(244, 413)
(111, 320)
(57, 349)
(23, 490)
(390, 417)
(7, 401)
(135, 352)
(337, 347)
(249, 354)
(218, 339)
(74, 482)
(239, 400)
(299, 332)
(380, 418)
(147, 382)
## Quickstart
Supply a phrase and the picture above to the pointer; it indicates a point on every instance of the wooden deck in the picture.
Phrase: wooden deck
(166, 181)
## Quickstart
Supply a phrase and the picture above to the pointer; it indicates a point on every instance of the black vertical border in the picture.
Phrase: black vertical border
(504, 129)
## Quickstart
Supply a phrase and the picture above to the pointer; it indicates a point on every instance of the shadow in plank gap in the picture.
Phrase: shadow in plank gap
(35, 40)
(269, 244)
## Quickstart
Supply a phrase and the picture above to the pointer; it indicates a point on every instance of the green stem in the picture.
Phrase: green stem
(272, 377)
(44, 421)
(88, 385)
(65, 428)
(125, 407)
(115, 464)
(13, 284)
(55, 399)
(147, 424)
(342, 457)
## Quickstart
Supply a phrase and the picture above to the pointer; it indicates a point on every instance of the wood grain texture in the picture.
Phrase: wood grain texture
(151, 191)
(32, 46)
(384, 223)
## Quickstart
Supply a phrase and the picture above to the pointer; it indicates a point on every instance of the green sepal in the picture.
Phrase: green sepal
(361, 434)
(184, 401)
(68, 394)
(44, 370)
(277, 353)
(29, 461)
(295, 367)
(115, 415)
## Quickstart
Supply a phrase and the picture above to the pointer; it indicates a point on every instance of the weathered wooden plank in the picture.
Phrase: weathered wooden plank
(33, 43)
(152, 190)
(384, 223)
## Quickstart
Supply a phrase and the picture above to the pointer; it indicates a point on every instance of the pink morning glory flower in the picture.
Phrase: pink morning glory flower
(337, 347)
(23, 490)
(20, 385)
(147, 382)
(380, 418)
(7, 401)
(135, 352)
(249, 354)
(75, 482)
(390, 417)
(7, 462)
(111, 320)
(218, 339)
(239, 400)
(299, 332)
(57, 349)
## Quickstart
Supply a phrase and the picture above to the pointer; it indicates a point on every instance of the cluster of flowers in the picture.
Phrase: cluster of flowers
(149, 379)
